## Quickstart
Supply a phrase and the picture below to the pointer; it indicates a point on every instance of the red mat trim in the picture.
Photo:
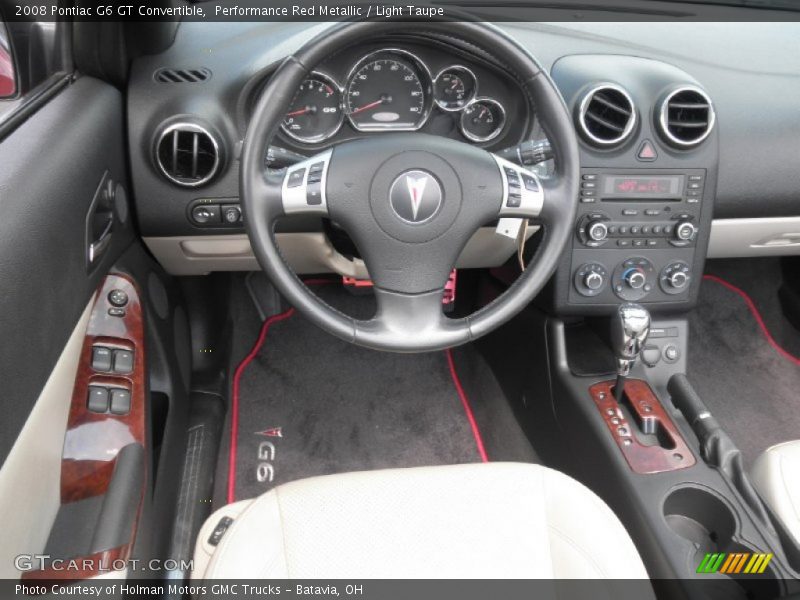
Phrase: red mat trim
(754, 310)
(235, 403)
(476, 433)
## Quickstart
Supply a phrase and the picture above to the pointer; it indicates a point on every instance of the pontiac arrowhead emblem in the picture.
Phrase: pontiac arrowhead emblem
(415, 196)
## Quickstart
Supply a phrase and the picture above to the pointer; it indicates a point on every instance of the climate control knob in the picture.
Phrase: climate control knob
(590, 279)
(635, 278)
(678, 279)
(597, 231)
(675, 277)
(685, 231)
(593, 280)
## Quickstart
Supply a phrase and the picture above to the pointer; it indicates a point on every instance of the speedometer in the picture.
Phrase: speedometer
(388, 90)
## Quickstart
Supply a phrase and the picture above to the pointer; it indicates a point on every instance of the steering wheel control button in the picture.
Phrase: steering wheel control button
(415, 196)
(590, 279)
(120, 401)
(296, 178)
(204, 214)
(101, 359)
(117, 298)
(303, 189)
(123, 362)
(314, 194)
(523, 192)
(315, 172)
(530, 183)
(97, 400)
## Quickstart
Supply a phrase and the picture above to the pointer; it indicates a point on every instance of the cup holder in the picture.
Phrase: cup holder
(708, 522)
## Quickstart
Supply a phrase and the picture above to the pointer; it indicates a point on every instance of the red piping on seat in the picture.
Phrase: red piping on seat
(235, 404)
(467, 408)
(763, 326)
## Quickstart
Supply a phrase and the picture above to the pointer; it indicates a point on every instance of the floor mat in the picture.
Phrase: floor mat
(310, 404)
(751, 387)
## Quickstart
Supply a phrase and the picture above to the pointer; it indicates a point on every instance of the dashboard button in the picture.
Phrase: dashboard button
(203, 214)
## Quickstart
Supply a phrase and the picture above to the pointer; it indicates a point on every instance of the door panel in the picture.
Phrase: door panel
(51, 170)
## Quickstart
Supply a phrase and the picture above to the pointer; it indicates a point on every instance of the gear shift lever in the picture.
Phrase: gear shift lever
(630, 327)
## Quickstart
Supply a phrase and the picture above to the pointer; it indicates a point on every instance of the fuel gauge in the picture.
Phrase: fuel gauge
(454, 87)
(483, 120)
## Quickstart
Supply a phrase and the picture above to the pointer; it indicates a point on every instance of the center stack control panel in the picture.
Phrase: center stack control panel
(636, 235)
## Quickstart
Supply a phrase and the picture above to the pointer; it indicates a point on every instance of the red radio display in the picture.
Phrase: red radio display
(637, 186)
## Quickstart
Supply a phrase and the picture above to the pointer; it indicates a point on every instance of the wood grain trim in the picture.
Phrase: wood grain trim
(670, 453)
(93, 440)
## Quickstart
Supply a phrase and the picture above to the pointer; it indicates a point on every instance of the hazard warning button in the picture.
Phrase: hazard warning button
(647, 151)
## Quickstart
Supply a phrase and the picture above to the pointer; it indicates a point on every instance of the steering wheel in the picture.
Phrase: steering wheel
(410, 201)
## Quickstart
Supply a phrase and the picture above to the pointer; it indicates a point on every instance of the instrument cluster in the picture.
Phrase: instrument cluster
(393, 89)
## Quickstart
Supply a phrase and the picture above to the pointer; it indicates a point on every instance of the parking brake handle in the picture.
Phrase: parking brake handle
(716, 447)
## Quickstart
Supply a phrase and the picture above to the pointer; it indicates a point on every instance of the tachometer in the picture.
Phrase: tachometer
(386, 91)
(316, 112)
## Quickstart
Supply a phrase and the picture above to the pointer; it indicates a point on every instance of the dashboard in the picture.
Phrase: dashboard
(730, 186)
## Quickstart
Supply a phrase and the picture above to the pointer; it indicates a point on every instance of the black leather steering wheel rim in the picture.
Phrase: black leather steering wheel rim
(407, 320)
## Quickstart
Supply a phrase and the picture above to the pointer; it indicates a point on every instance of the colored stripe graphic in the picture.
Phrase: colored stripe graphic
(734, 563)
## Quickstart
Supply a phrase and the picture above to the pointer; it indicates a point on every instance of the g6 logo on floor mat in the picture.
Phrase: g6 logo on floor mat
(265, 471)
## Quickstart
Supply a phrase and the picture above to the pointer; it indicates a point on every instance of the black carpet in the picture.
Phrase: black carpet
(310, 404)
(751, 389)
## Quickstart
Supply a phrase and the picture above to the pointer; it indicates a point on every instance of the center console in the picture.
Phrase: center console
(636, 236)
(649, 154)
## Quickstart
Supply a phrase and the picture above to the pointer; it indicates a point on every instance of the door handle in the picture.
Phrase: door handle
(100, 245)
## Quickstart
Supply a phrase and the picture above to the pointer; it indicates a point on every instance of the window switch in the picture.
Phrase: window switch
(120, 402)
(101, 359)
(123, 361)
(98, 399)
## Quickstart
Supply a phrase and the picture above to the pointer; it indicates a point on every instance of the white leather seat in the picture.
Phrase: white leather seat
(776, 476)
(495, 520)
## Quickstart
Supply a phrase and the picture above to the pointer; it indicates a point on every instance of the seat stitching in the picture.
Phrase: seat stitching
(792, 504)
(580, 549)
(283, 535)
(543, 494)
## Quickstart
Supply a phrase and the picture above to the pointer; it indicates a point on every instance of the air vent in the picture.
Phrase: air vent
(607, 115)
(182, 75)
(686, 117)
(187, 154)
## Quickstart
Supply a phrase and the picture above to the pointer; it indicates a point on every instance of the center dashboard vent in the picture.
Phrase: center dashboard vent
(686, 117)
(167, 75)
(607, 115)
(187, 154)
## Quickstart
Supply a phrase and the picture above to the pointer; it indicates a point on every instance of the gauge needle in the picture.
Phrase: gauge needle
(302, 111)
(367, 107)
